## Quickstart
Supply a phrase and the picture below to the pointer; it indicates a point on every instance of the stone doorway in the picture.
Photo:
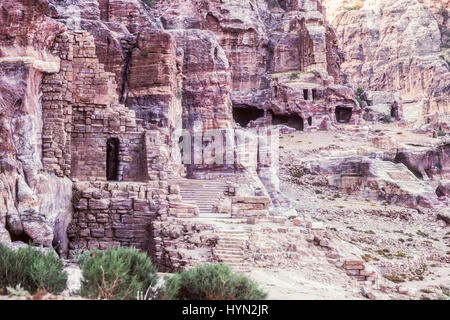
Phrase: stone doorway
(343, 114)
(112, 159)
(294, 121)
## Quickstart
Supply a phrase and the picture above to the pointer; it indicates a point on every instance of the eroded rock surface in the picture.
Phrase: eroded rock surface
(397, 46)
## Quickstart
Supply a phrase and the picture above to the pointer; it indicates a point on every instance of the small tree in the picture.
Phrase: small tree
(150, 2)
(211, 282)
(360, 91)
(116, 273)
(31, 269)
(387, 118)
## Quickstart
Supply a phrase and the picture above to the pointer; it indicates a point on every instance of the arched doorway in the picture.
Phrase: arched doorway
(112, 159)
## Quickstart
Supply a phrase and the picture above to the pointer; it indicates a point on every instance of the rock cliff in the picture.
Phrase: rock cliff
(113, 114)
(397, 46)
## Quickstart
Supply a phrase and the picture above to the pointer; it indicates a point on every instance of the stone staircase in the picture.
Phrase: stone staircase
(204, 193)
(230, 249)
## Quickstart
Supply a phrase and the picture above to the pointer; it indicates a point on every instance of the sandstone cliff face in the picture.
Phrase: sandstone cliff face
(35, 204)
(396, 46)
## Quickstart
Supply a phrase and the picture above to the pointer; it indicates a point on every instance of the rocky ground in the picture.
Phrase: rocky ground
(409, 248)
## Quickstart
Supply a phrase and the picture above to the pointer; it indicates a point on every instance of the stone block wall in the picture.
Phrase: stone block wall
(112, 214)
(250, 207)
(357, 270)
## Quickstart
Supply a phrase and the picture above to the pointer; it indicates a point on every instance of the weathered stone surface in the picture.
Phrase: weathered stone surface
(376, 179)
(39, 209)
(376, 59)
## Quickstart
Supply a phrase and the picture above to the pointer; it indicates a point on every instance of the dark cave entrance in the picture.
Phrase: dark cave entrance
(243, 114)
(293, 120)
(305, 94)
(343, 114)
(112, 159)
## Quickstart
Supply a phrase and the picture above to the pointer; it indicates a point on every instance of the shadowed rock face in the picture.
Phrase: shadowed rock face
(424, 164)
(96, 90)
(260, 39)
(376, 179)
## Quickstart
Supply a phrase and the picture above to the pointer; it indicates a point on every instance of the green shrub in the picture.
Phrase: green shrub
(211, 282)
(356, 6)
(294, 75)
(359, 101)
(441, 133)
(387, 118)
(360, 91)
(298, 174)
(76, 196)
(31, 269)
(150, 2)
(116, 273)
(443, 12)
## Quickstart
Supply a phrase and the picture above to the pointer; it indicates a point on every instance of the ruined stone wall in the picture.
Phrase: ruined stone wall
(81, 113)
(376, 60)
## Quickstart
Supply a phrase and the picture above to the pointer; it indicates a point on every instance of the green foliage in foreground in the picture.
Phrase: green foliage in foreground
(211, 282)
(387, 118)
(116, 273)
(32, 270)
(150, 2)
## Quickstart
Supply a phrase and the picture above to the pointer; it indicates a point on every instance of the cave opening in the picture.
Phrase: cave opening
(243, 114)
(310, 121)
(293, 120)
(343, 114)
(305, 94)
(112, 159)
(314, 94)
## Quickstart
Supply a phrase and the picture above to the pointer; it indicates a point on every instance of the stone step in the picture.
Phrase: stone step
(228, 247)
(229, 251)
(214, 215)
(231, 260)
(186, 190)
(203, 197)
(233, 239)
(234, 236)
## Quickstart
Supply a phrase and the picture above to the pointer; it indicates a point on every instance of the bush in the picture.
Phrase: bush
(443, 12)
(440, 133)
(117, 273)
(211, 282)
(150, 2)
(356, 6)
(294, 75)
(32, 270)
(387, 118)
